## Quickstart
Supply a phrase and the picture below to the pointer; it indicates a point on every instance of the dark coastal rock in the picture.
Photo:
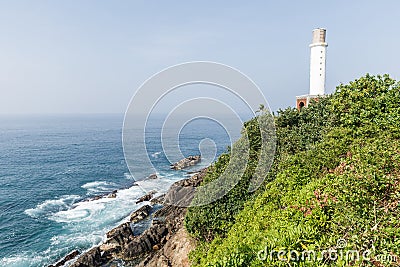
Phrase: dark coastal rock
(117, 238)
(176, 244)
(89, 259)
(158, 200)
(97, 198)
(113, 194)
(67, 258)
(140, 214)
(148, 247)
(186, 162)
(120, 235)
(174, 252)
(146, 197)
(166, 222)
(168, 211)
(153, 176)
(182, 192)
(145, 242)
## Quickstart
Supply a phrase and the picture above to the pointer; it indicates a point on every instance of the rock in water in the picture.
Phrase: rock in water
(91, 258)
(146, 197)
(113, 194)
(164, 243)
(186, 162)
(153, 176)
(158, 200)
(140, 214)
(67, 258)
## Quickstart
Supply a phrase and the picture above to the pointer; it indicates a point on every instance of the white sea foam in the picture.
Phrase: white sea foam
(99, 187)
(97, 184)
(52, 205)
(26, 259)
(23, 260)
(80, 211)
(102, 210)
(156, 154)
(128, 176)
(85, 223)
(160, 185)
(16, 261)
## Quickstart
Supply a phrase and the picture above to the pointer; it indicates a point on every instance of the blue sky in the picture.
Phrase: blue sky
(91, 56)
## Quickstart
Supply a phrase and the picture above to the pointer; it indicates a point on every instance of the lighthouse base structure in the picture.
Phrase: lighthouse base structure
(304, 100)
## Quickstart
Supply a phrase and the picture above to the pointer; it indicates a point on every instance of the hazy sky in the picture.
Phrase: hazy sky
(90, 56)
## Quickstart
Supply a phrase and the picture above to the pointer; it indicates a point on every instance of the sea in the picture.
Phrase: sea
(53, 166)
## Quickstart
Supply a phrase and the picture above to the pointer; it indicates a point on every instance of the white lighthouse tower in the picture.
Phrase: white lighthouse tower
(317, 68)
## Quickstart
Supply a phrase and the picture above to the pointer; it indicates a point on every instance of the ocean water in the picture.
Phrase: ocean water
(51, 165)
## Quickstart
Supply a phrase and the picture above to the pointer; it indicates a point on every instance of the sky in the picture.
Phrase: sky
(91, 56)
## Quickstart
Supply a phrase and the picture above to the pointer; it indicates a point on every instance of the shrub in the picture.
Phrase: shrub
(335, 176)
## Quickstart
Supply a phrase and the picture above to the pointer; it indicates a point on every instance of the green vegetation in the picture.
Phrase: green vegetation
(209, 221)
(335, 178)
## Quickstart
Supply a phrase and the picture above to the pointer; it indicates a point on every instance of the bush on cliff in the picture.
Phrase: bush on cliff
(334, 185)
(206, 222)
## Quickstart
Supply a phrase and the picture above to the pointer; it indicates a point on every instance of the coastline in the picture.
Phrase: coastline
(150, 237)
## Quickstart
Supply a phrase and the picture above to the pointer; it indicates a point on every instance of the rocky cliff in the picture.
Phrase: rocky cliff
(164, 243)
